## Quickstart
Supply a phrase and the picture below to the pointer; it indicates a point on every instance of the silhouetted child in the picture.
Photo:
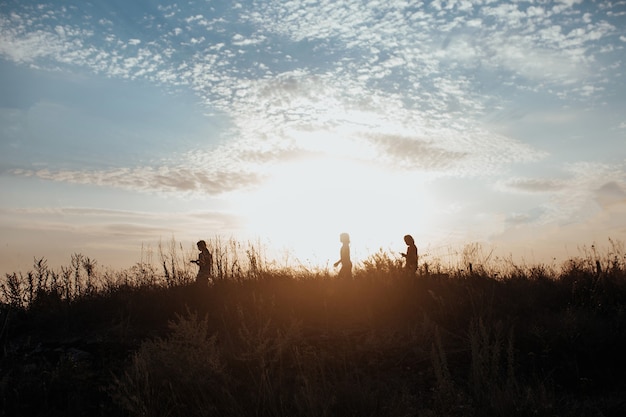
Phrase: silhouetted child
(410, 255)
(344, 257)
(205, 262)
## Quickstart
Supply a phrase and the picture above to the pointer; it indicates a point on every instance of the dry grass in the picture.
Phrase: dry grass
(497, 341)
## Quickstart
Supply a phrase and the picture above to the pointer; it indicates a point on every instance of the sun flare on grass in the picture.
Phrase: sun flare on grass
(306, 203)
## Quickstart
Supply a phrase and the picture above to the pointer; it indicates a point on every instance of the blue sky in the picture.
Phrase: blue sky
(123, 123)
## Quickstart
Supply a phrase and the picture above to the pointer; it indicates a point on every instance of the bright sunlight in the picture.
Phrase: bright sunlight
(306, 203)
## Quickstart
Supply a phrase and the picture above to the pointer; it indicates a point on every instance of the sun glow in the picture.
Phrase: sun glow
(306, 204)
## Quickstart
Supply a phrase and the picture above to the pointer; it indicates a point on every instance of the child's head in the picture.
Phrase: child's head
(201, 244)
(344, 238)
(408, 239)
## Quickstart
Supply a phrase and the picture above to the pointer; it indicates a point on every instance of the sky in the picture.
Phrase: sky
(287, 122)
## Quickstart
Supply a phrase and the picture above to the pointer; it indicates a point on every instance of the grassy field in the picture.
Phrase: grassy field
(496, 340)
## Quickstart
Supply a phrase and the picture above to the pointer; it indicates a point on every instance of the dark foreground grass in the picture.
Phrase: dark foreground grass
(527, 342)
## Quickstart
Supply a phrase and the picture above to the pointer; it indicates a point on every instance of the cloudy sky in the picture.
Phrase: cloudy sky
(123, 123)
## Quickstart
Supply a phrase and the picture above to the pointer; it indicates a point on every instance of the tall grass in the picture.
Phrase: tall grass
(497, 339)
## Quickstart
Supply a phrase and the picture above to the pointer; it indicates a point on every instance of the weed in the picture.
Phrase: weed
(497, 340)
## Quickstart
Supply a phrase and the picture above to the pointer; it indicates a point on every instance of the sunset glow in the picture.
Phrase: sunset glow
(458, 122)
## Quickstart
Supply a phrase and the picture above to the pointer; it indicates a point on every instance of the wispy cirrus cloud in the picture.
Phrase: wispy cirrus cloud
(581, 191)
(533, 185)
(108, 223)
(165, 179)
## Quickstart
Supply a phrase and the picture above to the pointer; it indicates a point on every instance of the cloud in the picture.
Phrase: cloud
(611, 194)
(415, 153)
(94, 230)
(73, 211)
(102, 224)
(350, 36)
(583, 190)
(166, 179)
(533, 185)
(528, 218)
(302, 113)
(392, 77)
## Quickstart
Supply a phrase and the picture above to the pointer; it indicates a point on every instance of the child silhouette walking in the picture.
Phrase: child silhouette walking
(344, 257)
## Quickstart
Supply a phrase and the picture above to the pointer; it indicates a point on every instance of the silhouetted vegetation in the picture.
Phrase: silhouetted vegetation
(497, 340)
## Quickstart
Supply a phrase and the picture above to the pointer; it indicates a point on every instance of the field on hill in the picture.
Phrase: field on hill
(493, 339)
